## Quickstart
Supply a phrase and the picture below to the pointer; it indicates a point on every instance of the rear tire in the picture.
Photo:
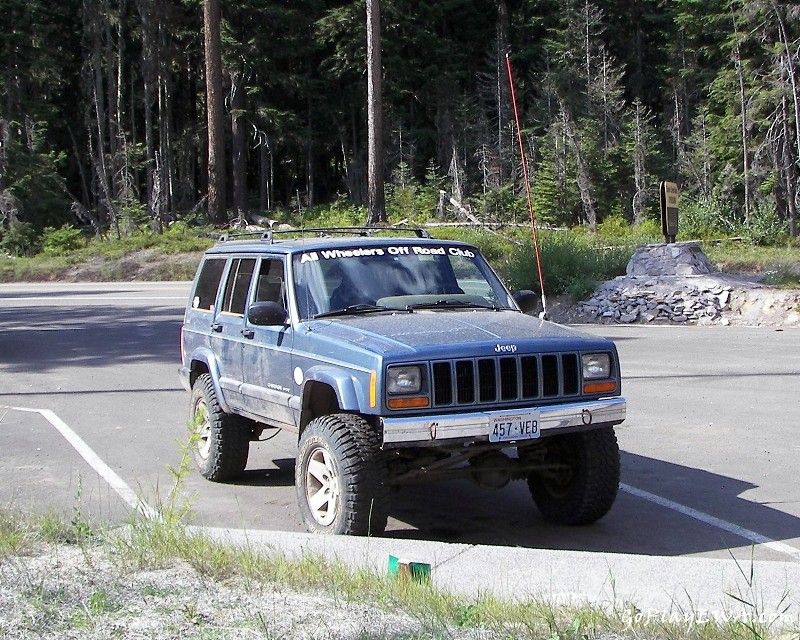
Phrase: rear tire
(220, 442)
(583, 486)
(341, 477)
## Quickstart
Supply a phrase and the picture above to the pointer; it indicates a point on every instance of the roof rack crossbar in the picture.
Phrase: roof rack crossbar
(269, 235)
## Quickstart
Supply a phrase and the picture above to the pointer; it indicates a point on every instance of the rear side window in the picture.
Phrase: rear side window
(208, 283)
(238, 285)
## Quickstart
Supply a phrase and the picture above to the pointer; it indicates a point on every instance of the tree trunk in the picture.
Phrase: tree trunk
(264, 171)
(583, 177)
(217, 210)
(311, 177)
(787, 168)
(98, 98)
(796, 103)
(639, 204)
(376, 202)
(745, 135)
(502, 90)
(166, 146)
(150, 57)
(239, 150)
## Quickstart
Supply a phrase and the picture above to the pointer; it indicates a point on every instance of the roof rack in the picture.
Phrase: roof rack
(322, 232)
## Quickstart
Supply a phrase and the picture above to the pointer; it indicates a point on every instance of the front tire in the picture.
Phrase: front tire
(220, 442)
(341, 477)
(583, 480)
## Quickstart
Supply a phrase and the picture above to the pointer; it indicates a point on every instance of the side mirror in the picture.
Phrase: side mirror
(266, 314)
(527, 300)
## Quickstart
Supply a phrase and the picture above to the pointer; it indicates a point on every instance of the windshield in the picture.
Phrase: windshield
(395, 277)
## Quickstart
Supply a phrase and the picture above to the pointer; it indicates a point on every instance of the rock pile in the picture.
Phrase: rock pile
(665, 299)
(675, 283)
(677, 259)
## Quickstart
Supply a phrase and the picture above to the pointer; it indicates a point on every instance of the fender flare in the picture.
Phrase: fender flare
(351, 393)
(207, 357)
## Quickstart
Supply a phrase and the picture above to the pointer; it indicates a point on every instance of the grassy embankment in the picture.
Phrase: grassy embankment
(572, 261)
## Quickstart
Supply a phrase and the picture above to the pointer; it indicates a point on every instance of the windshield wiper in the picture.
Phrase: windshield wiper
(355, 309)
(453, 304)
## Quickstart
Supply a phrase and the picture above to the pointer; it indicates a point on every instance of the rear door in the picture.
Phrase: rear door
(228, 328)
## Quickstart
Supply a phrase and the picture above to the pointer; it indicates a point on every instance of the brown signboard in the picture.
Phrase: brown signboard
(669, 210)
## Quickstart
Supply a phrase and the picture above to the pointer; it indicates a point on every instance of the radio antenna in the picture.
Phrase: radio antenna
(531, 215)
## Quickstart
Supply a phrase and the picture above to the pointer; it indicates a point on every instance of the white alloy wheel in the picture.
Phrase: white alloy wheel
(341, 477)
(202, 431)
(322, 486)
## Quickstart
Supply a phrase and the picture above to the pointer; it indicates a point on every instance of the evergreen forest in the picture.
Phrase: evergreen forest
(104, 116)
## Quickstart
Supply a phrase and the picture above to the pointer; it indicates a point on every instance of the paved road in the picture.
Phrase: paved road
(710, 446)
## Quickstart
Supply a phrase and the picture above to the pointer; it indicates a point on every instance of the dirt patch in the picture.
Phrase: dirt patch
(143, 265)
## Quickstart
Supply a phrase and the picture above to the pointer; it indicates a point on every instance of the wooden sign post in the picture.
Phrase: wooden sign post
(669, 211)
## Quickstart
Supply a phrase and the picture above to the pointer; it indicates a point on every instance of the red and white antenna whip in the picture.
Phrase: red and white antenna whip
(531, 215)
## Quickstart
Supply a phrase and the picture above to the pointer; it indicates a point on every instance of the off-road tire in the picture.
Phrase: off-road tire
(585, 488)
(220, 442)
(341, 477)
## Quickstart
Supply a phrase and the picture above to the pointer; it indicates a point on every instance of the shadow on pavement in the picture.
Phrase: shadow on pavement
(463, 513)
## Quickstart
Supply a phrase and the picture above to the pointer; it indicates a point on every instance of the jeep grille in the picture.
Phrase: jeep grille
(505, 379)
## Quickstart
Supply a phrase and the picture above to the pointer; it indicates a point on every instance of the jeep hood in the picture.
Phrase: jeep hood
(412, 332)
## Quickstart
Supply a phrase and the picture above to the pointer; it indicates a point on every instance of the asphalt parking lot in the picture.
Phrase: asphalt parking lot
(94, 417)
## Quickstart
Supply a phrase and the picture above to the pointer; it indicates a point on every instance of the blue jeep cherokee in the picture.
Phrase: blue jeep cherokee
(394, 360)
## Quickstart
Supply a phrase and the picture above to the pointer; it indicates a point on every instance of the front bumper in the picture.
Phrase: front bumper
(439, 429)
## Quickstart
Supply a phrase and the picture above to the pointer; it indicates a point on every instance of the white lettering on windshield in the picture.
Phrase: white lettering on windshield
(350, 253)
(337, 254)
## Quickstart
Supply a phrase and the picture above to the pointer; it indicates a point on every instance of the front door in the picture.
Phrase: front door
(266, 352)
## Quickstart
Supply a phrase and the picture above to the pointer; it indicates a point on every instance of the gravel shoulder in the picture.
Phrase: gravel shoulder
(63, 592)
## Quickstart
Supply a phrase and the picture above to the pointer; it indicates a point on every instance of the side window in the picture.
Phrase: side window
(269, 286)
(470, 279)
(205, 293)
(238, 284)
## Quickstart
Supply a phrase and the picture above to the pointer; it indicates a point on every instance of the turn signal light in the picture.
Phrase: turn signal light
(608, 386)
(418, 402)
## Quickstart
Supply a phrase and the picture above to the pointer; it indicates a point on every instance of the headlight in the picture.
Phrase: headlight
(404, 380)
(596, 366)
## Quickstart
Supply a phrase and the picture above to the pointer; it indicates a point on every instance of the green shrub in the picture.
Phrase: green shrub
(493, 246)
(337, 214)
(617, 231)
(504, 205)
(59, 242)
(571, 264)
(411, 202)
(765, 230)
(614, 228)
(702, 221)
(20, 239)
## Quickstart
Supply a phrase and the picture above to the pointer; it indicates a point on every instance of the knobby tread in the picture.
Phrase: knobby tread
(594, 487)
(229, 436)
(363, 474)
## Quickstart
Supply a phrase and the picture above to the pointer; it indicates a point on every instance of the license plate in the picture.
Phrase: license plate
(514, 426)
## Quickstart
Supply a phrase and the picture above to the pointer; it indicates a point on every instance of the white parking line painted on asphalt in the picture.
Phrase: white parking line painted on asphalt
(94, 461)
(747, 534)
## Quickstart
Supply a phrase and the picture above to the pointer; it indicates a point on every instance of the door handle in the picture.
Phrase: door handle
(216, 326)
(248, 333)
